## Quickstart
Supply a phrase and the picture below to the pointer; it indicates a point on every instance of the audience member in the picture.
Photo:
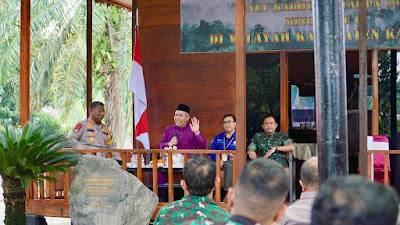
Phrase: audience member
(299, 213)
(270, 144)
(92, 133)
(353, 200)
(226, 141)
(259, 195)
(199, 179)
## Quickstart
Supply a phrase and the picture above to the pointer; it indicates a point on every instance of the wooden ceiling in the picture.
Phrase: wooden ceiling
(127, 4)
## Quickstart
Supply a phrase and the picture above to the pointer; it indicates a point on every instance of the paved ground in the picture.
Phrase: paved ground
(49, 220)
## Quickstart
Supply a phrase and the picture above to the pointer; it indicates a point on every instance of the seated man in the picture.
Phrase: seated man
(259, 195)
(353, 200)
(271, 144)
(199, 178)
(92, 133)
(226, 141)
(183, 135)
(299, 213)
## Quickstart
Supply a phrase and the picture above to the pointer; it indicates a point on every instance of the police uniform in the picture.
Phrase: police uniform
(87, 134)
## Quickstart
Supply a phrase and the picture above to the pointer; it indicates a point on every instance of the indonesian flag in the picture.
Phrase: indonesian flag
(136, 85)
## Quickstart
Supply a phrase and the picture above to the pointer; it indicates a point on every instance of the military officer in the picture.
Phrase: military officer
(199, 179)
(92, 133)
(271, 144)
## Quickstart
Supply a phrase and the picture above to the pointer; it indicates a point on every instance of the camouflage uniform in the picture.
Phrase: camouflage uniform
(87, 134)
(191, 207)
(234, 220)
(261, 143)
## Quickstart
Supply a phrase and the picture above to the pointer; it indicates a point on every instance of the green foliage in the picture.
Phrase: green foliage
(262, 90)
(112, 54)
(197, 37)
(27, 153)
(384, 93)
(8, 112)
(50, 122)
(58, 59)
(104, 62)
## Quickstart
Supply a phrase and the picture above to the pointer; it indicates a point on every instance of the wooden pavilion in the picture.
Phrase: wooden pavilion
(212, 84)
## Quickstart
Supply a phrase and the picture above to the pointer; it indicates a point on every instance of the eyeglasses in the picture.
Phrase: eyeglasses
(229, 121)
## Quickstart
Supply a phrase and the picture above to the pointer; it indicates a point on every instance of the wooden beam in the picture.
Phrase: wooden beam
(363, 70)
(240, 81)
(89, 60)
(57, 208)
(375, 96)
(284, 87)
(24, 60)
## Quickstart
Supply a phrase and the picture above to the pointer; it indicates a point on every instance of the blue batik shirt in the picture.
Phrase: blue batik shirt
(218, 143)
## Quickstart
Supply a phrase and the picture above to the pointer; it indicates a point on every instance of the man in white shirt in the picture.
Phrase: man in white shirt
(299, 213)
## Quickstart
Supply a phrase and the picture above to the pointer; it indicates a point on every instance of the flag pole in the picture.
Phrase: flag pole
(134, 26)
(138, 87)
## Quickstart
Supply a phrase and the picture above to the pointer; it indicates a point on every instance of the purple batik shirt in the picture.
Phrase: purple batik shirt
(186, 138)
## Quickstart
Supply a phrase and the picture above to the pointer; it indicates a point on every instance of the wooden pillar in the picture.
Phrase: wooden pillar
(240, 81)
(284, 87)
(89, 61)
(363, 70)
(24, 60)
(375, 96)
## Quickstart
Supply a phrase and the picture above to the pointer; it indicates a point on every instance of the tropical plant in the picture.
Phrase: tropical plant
(58, 61)
(25, 155)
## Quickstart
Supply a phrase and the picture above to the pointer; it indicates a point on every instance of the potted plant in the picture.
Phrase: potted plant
(25, 154)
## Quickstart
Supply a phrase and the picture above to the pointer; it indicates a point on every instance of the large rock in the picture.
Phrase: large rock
(102, 193)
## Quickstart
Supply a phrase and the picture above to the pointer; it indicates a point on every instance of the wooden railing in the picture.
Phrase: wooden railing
(47, 200)
(370, 164)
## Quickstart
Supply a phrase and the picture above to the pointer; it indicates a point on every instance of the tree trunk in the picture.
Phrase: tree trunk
(113, 103)
(14, 199)
(113, 95)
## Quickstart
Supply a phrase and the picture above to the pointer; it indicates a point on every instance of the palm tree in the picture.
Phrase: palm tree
(58, 59)
(25, 154)
(112, 57)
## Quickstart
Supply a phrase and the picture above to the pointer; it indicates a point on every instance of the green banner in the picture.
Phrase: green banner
(209, 26)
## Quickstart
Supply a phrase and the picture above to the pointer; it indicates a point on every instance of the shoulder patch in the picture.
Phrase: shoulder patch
(105, 128)
(78, 127)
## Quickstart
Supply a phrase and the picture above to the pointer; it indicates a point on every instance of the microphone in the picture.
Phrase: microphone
(175, 135)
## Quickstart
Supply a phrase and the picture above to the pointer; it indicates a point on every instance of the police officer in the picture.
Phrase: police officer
(92, 133)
